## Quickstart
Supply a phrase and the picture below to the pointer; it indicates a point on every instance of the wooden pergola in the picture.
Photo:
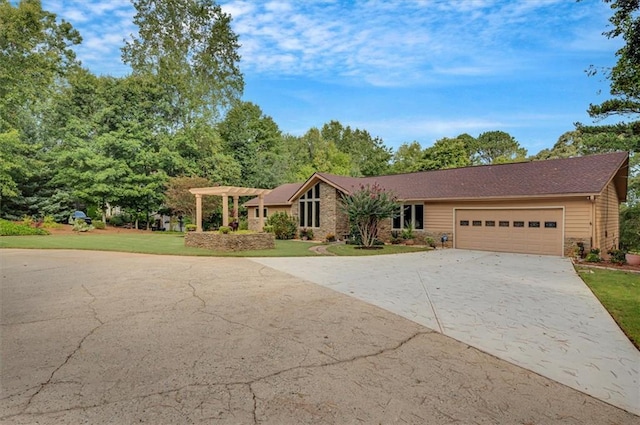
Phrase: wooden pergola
(225, 192)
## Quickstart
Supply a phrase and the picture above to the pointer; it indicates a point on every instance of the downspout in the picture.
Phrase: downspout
(594, 223)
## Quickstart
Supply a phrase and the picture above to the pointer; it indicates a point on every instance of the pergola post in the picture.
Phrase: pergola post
(225, 192)
(198, 213)
(225, 209)
(260, 213)
(235, 207)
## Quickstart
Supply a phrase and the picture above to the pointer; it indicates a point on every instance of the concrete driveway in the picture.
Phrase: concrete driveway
(96, 337)
(533, 311)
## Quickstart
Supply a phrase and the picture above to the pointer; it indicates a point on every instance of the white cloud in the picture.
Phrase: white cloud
(379, 42)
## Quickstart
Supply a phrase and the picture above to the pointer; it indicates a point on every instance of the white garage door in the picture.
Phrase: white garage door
(526, 231)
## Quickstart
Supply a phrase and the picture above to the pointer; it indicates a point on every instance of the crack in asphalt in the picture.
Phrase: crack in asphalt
(248, 383)
(255, 404)
(43, 385)
(90, 305)
(48, 381)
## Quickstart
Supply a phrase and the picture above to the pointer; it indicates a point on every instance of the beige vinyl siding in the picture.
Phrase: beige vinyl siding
(439, 215)
(578, 218)
(608, 220)
(253, 221)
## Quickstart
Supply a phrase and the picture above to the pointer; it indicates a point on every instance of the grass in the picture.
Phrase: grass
(172, 244)
(352, 250)
(619, 293)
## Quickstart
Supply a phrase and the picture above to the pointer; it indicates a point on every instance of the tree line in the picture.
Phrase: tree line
(70, 139)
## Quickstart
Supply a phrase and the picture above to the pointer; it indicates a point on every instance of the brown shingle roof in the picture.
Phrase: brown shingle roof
(585, 175)
(579, 175)
(278, 196)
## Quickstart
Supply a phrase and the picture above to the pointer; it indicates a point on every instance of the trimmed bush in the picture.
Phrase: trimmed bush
(284, 226)
(8, 228)
(99, 225)
(225, 230)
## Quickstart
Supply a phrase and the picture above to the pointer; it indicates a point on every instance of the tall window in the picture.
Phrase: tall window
(410, 215)
(309, 207)
(264, 212)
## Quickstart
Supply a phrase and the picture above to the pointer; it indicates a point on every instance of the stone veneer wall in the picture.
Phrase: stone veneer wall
(332, 219)
(570, 245)
(230, 242)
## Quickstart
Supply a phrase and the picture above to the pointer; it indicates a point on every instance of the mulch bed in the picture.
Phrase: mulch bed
(608, 266)
(67, 229)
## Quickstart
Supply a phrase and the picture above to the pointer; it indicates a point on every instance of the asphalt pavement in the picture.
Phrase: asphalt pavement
(97, 337)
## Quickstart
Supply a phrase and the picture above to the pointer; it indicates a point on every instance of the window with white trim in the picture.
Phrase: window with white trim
(309, 207)
(411, 216)
(264, 213)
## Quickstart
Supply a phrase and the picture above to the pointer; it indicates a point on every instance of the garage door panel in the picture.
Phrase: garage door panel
(534, 237)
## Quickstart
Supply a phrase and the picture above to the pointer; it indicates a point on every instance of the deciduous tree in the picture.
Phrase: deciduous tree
(407, 158)
(182, 202)
(445, 153)
(35, 49)
(189, 46)
(494, 147)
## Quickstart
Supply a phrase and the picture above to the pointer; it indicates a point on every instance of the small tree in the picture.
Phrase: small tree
(182, 202)
(366, 207)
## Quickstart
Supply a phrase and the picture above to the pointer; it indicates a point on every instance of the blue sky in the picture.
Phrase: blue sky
(403, 70)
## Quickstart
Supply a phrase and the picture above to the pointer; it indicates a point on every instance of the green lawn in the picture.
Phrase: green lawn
(169, 244)
(619, 293)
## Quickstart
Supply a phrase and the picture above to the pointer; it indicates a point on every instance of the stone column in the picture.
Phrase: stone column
(198, 213)
(225, 209)
(260, 213)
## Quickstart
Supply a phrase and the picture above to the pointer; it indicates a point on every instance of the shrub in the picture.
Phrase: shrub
(630, 228)
(243, 224)
(430, 241)
(191, 227)
(27, 221)
(284, 226)
(49, 222)
(99, 224)
(330, 237)
(617, 256)
(306, 234)
(119, 220)
(407, 233)
(8, 228)
(224, 229)
(81, 226)
(593, 256)
(267, 229)
(354, 236)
